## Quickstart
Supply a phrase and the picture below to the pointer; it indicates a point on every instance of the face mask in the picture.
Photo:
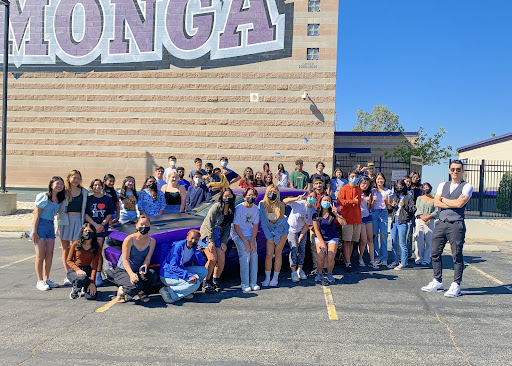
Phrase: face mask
(191, 244)
(354, 180)
(399, 190)
(172, 163)
(326, 204)
(250, 199)
(152, 185)
(181, 175)
(224, 163)
(228, 200)
(209, 171)
(197, 180)
(143, 230)
(86, 235)
(272, 195)
(426, 191)
(311, 200)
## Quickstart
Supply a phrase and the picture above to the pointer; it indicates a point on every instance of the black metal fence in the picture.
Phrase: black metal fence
(492, 187)
(382, 165)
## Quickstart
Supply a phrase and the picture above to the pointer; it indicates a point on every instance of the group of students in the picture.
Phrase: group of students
(333, 209)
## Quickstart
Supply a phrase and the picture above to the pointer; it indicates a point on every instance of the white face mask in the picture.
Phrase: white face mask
(172, 163)
(197, 180)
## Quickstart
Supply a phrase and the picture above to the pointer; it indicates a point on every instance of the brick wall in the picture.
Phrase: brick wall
(113, 120)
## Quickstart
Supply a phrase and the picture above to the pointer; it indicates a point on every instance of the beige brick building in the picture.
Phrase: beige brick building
(124, 111)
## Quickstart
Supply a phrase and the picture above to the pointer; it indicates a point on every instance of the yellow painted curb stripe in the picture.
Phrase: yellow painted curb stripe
(18, 261)
(107, 305)
(331, 309)
(485, 274)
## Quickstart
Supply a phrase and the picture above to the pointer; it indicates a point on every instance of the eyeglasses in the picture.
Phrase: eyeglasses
(458, 170)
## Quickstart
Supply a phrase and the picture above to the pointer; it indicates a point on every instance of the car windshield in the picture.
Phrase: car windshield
(202, 210)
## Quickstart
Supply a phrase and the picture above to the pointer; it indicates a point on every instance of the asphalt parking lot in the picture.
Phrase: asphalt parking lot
(383, 318)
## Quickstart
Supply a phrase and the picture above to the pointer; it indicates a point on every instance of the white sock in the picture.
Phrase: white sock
(276, 276)
(267, 275)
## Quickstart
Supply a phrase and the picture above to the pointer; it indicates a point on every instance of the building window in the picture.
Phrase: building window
(313, 29)
(313, 6)
(313, 53)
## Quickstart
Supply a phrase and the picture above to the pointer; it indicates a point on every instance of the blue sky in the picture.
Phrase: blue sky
(434, 63)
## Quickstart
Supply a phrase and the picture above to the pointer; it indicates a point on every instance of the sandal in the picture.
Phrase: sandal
(143, 297)
(121, 297)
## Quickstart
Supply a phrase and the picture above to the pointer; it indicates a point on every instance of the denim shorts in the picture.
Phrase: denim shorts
(217, 235)
(46, 229)
(330, 241)
(366, 220)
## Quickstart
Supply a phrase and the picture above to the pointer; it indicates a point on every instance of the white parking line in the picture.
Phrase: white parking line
(501, 283)
(18, 261)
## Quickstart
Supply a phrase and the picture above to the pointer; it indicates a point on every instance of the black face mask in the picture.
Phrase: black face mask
(191, 244)
(209, 172)
(426, 191)
(86, 235)
(272, 196)
(250, 199)
(400, 190)
(143, 230)
(181, 175)
(228, 200)
(152, 186)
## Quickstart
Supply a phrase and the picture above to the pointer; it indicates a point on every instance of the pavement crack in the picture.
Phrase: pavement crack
(452, 337)
(35, 348)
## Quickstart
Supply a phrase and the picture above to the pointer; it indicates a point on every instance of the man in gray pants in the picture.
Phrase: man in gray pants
(451, 197)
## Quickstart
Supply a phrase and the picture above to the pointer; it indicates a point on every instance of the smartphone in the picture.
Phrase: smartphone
(143, 269)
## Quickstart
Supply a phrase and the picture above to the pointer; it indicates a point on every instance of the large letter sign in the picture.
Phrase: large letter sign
(113, 32)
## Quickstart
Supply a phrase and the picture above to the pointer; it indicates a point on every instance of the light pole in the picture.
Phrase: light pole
(7, 4)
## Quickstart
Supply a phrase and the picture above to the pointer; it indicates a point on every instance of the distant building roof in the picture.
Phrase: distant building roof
(354, 133)
(491, 141)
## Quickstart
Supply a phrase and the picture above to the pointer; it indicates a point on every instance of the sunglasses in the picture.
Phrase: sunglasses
(458, 170)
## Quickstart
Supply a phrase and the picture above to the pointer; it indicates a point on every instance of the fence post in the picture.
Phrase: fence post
(380, 163)
(481, 188)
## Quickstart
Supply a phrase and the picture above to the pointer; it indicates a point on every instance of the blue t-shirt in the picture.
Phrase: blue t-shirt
(195, 196)
(184, 182)
(230, 175)
(48, 209)
(326, 226)
(336, 185)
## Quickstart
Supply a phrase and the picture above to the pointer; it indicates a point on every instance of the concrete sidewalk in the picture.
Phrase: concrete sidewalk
(482, 230)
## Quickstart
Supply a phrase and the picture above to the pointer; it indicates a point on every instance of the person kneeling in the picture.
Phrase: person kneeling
(83, 263)
(132, 274)
(183, 270)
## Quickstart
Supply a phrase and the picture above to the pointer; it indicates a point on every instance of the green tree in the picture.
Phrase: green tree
(380, 119)
(503, 194)
(428, 147)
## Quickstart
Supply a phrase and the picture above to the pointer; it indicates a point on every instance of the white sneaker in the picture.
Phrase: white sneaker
(43, 286)
(453, 291)
(400, 267)
(374, 265)
(433, 286)
(66, 282)
(392, 265)
(255, 287)
(266, 282)
(302, 275)
(246, 288)
(52, 284)
(166, 295)
(295, 277)
(384, 263)
(361, 263)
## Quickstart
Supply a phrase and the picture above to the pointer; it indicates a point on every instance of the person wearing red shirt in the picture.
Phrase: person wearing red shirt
(349, 200)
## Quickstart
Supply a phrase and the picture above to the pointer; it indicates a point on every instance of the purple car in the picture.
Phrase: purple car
(167, 229)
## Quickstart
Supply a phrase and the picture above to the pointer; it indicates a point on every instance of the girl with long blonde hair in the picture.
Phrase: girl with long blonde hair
(275, 227)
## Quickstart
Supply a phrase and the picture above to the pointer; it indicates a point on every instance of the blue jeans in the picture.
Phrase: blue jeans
(399, 236)
(297, 250)
(179, 288)
(380, 226)
(248, 264)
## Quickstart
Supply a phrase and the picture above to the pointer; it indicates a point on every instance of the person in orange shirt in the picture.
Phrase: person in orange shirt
(349, 200)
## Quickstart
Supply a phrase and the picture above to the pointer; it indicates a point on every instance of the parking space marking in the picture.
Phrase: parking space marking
(107, 306)
(485, 274)
(18, 261)
(331, 309)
